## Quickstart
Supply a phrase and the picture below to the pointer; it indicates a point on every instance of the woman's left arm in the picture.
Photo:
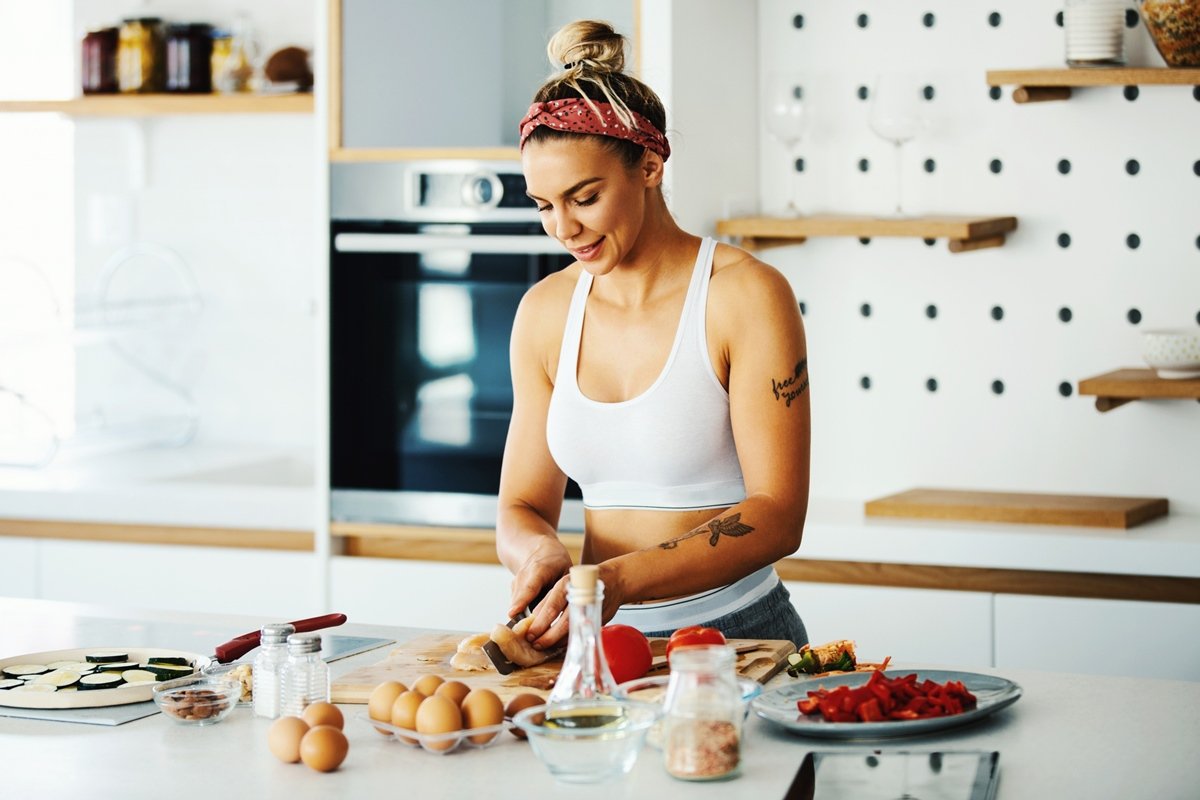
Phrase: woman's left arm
(758, 328)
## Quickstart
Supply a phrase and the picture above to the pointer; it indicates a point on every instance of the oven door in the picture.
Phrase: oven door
(420, 393)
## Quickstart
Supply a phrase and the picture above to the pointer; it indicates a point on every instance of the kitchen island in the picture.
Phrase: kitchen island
(1068, 736)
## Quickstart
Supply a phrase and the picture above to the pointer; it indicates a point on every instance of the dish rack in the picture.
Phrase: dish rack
(121, 323)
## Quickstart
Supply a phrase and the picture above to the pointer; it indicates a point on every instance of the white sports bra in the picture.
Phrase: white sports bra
(669, 448)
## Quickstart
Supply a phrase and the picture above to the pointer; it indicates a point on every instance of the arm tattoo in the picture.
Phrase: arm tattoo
(729, 526)
(790, 388)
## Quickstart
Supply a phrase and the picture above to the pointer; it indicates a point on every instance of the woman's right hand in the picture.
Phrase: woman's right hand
(544, 567)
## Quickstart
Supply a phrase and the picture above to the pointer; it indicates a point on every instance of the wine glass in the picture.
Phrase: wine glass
(787, 118)
(897, 116)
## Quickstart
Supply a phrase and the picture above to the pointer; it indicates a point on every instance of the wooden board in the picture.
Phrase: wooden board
(1029, 508)
(431, 653)
(1138, 383)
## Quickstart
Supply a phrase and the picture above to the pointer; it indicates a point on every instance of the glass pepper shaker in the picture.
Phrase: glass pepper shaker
(585, 674)
(702, 728)
(268, 663)
(305, 677)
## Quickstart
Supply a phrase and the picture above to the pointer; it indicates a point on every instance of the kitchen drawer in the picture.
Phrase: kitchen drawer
(422, 594)
(925, 626)
(1098, 637)
(18, 567)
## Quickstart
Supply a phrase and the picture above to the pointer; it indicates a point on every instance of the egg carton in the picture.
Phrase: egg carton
(442, 743)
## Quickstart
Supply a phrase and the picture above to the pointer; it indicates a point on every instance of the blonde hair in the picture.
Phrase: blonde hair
(588, 61)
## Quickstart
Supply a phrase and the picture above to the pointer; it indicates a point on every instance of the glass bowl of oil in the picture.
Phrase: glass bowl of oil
(588, 741)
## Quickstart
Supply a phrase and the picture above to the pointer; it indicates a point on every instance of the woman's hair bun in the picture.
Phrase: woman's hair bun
(587, 44)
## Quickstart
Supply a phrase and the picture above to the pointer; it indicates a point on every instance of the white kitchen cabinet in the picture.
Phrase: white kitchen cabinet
(423, 594)
(18, 567)
(923, 626)
(175, 577)
(1098, 637)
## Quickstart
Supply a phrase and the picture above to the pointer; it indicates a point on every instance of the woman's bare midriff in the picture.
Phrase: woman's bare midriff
(615, 532)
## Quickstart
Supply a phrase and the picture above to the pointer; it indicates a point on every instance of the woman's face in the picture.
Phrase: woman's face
(588, 199)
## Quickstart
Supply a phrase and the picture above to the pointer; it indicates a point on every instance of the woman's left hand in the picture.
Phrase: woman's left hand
(550, 618)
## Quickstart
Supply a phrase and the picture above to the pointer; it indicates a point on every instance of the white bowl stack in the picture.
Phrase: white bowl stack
(1174, 353)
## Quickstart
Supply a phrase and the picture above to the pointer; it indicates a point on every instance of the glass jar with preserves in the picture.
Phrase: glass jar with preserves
(189, 58)
(140, 66)
(702, 729)
(98, 61)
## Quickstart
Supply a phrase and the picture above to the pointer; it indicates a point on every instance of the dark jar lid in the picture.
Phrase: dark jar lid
(189, 28)
(144, 20)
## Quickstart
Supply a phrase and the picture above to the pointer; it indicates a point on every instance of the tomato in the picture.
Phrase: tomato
(627, 651)
(693, 635)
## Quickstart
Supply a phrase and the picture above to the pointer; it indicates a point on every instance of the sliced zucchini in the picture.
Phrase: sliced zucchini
(34, 687)
(165, 672)
(17, 670)
(100, 680)
(117, 666)
(178, 661)
(11, 683)
(64, 665)
(82, 667)
(138, 676)
(59, 678)
(106, 656)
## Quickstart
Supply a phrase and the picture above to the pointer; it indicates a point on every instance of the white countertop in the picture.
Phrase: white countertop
(273, 488)
(1068, 736)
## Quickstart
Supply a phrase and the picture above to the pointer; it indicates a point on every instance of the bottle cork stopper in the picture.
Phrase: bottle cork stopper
(584, 577)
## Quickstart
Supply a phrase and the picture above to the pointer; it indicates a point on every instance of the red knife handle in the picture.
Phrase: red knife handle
(236, 648)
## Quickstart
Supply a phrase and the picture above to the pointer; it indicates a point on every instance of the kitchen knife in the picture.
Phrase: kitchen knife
(238, 647)
(493, 651)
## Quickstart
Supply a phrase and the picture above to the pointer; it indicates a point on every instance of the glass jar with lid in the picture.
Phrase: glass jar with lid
(98, 61)
(702, 728)
(189, 58)
(140, 66)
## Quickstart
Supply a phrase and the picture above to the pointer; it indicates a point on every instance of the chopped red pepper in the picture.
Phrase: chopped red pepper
(882, 698)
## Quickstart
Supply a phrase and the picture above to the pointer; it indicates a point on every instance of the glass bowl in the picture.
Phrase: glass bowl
(1174, 27)
(197, 699)
(588, 741)
(653, 689)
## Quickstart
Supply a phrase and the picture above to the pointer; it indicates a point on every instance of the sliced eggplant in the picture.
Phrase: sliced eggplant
(101, 680)
(59, 678)
(178, 661)
(11, 683)
(106, 656)
(138, 676)
(17, 670)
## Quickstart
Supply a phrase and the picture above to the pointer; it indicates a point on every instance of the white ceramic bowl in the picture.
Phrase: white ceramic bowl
(1173, 353)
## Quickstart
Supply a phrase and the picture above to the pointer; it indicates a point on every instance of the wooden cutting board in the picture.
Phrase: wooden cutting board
(1029, 508)
(759, 660)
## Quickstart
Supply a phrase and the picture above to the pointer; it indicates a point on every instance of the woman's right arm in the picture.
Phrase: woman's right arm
(531, 484)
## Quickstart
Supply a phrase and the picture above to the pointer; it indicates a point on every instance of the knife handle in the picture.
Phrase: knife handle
(236, 648)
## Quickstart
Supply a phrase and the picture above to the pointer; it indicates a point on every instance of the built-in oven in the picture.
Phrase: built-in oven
(428, 263)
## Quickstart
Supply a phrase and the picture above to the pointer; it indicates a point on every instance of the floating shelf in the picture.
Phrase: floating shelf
(1033, 508)
(963, 233)
(1039, 85)
(148, 105)
(1114, 389)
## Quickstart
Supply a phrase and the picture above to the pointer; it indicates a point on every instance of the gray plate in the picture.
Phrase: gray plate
(779, 705)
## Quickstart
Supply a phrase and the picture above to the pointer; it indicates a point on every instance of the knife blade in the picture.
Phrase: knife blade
(493, 651)
(237, 647)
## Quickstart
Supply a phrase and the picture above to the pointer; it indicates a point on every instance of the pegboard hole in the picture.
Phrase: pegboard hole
(803, 308)
(864, 165)
(1134, 316)
(1064, 240)
(863, 20)
(1131, 93)
(930, 165)
(931, 385)
(1131, 18)
(930, 242)
(1133, 241)
(798, 21)
(1064, 314)
(1132, 166)
(994, 92)
(931, 311)
(1058, 19)
(799, 165)
(863, 93)
(1064, 166)
(997, 313)
(864, 240)
(1196, 168)
(927, 93)
(997, 387)
(994, 19)
(928, 20)
(995, 165)
(865, 309)
(1065, 389)
(865, 382)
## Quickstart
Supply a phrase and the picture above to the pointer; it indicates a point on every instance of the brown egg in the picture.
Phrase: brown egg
(439, 715)
(324, 748)
(322, 713)
(404, 712)
(518, 703)
(379, 706)
(283, 738)
(454, 691)
(482, 708)
(427, 684)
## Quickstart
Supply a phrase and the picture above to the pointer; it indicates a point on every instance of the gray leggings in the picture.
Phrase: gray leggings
(772, 617)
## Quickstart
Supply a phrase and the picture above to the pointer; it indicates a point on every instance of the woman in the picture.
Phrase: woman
(664, 373)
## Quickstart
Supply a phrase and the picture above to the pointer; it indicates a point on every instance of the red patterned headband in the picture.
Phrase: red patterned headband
(576, 115)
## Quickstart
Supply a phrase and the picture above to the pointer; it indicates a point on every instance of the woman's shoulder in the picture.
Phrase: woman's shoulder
(738, 274)
(543, 310)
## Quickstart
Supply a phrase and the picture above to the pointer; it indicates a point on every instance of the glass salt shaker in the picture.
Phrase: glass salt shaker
(268, 663)
(702, 728)
(585, 674)
(305, 677)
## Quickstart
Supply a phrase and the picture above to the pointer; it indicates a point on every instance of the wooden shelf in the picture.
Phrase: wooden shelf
(1033, 508)
(1114, 389)
(148, 105)
(963, 233)
(1039, 85)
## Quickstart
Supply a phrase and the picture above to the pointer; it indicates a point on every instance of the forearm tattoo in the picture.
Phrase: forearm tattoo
(729, 526)
(790, 388)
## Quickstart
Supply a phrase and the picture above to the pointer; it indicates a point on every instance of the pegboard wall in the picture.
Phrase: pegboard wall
(961, 370)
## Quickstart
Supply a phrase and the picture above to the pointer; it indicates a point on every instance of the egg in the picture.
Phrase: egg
(518, 703)
(322, 713)
(283, 738)
(482, 708)
(324, 748)
(427, 684)
(379, 706)
(404, 712)
(454, 691)
(439, 715)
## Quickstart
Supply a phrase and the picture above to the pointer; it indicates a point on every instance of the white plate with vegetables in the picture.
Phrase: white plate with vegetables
(91, 677)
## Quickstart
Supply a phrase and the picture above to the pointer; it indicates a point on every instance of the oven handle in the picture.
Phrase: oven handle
(429, 243)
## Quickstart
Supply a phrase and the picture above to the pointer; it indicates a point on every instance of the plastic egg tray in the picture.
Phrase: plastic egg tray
(437, 742)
